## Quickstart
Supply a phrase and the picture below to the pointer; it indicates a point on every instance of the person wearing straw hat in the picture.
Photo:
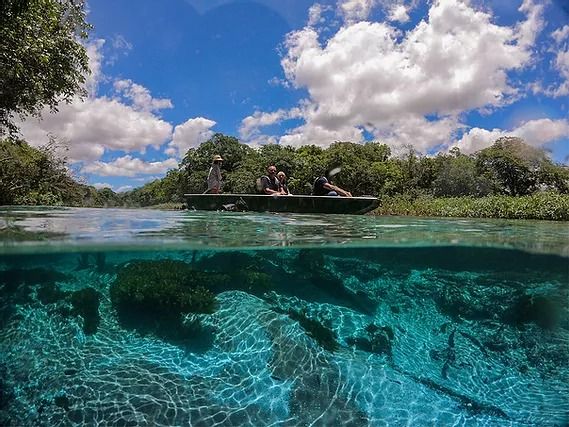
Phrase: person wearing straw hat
(214, 176)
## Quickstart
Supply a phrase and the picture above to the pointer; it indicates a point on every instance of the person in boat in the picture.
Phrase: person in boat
(324, 187)
(270, 184)
(214, 182)
(281, 176)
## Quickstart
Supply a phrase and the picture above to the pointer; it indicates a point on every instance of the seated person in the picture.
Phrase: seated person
(323, 187)
(282, 179)
(270, 183)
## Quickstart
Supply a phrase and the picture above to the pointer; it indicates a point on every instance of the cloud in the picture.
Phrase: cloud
(94, 125)
(129, 166)
(561, 63)
(99, 185)
(190, 135)
(124, 188)
(534, 132)
(95, 58)
(561, 34)
(98, 124)
(356, 10)
(398, 13)
(371, 76)
(315, 14)
(140, 96)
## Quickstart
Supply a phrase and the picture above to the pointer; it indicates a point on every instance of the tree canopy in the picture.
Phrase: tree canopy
(42, 60)
(509, 167)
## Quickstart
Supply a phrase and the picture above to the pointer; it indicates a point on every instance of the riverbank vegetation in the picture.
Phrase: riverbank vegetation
(510, 179)
(548, 206)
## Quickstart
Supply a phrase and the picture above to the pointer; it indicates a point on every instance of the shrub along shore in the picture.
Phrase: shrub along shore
(544, 206)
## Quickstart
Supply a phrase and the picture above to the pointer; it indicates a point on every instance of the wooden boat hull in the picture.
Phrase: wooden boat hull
(267, 203)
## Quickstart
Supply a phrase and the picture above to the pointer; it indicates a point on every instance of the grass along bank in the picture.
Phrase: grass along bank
(544, 206)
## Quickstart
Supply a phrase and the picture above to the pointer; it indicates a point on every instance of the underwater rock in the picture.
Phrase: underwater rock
(319, 331)
(377, 339)
(539, 309)
(62, 401)
(50, 293)
(85, 303)
(16, 282)
(311, 266)
(470, 405)
(318, 406)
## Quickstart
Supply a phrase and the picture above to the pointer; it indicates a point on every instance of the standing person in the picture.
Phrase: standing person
(282, 179)
(214, 176)
(269, 183)
(323, 187)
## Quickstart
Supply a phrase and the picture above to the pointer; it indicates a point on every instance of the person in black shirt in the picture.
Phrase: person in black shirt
(270, 183)
(323, 187)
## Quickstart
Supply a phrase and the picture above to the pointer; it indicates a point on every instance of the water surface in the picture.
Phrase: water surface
(140, 317)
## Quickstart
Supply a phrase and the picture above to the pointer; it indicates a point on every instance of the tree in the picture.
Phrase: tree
(458, 176)
(514, 165)
(42, 61)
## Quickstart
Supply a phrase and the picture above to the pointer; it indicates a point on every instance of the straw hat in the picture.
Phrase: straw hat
(217, 158)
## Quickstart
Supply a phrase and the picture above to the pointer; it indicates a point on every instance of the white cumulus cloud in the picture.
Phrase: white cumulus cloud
(371, 76)
(190, 134)
(94, 125)
(534, 132)
(129, 166)
(140, 96)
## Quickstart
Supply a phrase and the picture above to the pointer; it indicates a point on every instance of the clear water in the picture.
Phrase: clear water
(312, 320)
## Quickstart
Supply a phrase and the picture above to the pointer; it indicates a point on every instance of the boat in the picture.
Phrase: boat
(281, 203)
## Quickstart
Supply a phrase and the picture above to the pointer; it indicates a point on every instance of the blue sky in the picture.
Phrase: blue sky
(167, 75)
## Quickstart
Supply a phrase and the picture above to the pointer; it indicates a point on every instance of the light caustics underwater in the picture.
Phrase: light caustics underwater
(162, 318)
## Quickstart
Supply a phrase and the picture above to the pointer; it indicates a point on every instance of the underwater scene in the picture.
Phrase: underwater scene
(154, 318)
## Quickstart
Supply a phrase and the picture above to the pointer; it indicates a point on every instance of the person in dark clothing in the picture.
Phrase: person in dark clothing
(323, 187)
(270, 183)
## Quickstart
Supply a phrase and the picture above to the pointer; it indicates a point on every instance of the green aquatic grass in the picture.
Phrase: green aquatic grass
(544, 206)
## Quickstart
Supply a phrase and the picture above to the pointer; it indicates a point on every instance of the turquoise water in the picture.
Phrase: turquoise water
(143, 318)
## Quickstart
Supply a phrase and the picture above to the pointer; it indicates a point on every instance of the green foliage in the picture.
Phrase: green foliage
(411, 184)
(41, 57)
(513, 165)
(546, 206)
(38, 176)
(458, 176)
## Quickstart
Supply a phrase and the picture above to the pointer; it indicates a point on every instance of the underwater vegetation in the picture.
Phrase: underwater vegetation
(163, 286)
(152, 296)
(487, 301)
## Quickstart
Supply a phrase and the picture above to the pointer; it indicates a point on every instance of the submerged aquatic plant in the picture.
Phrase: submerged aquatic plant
(152, 296)
(164, 286)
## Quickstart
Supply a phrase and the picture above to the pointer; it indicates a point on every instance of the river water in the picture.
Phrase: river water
(145, 318)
